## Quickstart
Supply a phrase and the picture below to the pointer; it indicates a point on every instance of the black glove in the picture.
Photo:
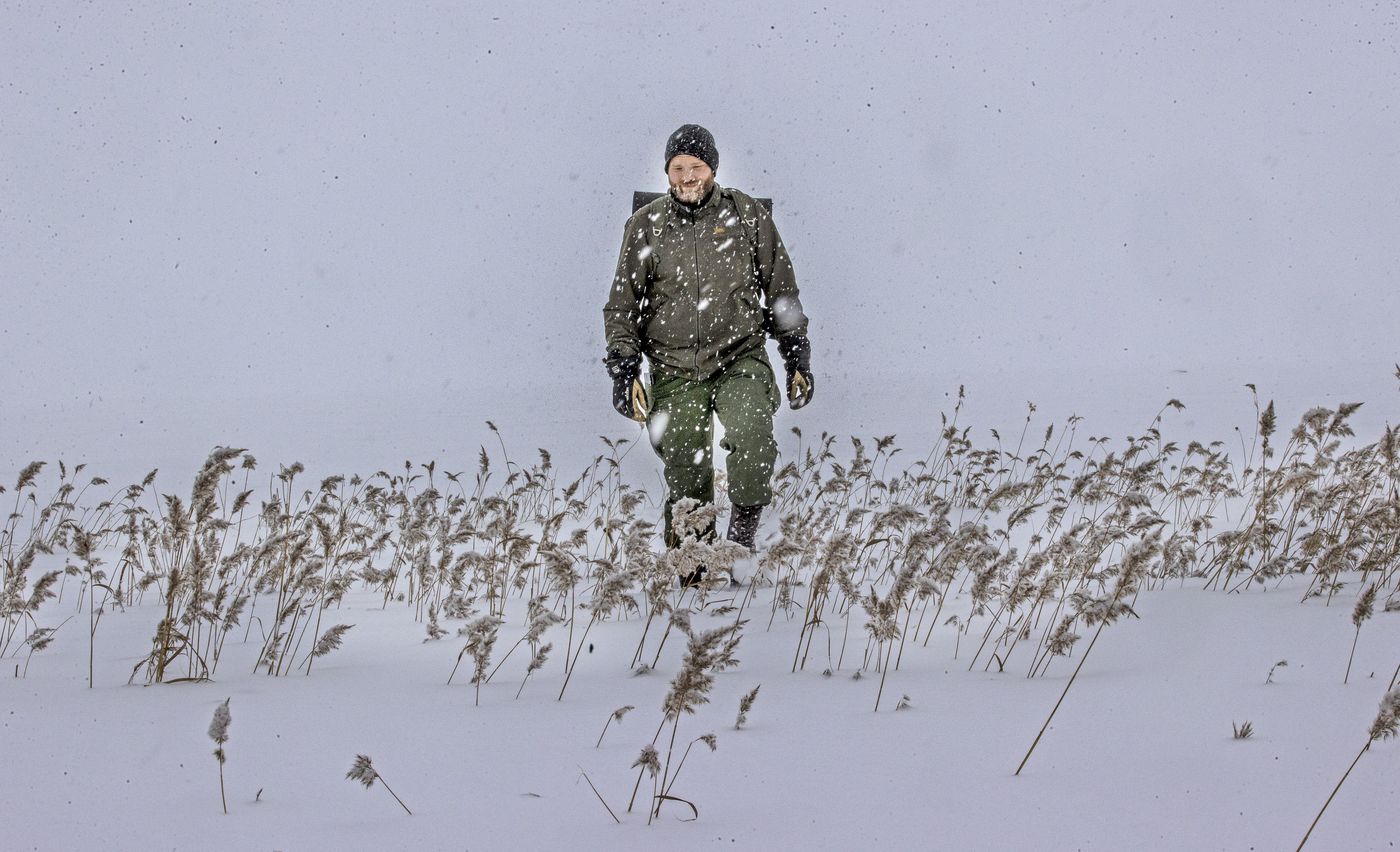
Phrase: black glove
(797, 358)
(629, 394)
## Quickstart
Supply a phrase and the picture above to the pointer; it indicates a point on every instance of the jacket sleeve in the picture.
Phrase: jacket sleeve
(622, 315)
(775, 275)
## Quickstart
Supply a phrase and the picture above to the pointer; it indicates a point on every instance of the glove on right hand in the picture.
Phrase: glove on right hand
(632, 400)
(630, 396)
(800, 386)
(797, 358)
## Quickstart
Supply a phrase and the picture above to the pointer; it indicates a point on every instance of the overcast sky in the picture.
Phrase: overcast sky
(373, 226)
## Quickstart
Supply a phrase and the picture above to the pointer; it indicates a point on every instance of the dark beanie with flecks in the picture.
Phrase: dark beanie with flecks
(696, 141)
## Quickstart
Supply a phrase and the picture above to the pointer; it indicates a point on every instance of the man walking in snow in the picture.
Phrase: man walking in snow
(702, 281)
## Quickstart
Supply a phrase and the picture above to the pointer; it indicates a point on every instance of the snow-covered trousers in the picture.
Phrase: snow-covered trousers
(745, 397)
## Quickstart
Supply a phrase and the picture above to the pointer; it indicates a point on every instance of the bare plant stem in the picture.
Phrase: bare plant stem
(670, 749)
(1062, 698)
(568, 673)
(599, 744)
(903, 634)
(884, 671)
(641, 644)
(460, 654)
(600, 796)
(638, 785)
(392, 793)
(1334, 793)
(92, 629)
(1351, 656)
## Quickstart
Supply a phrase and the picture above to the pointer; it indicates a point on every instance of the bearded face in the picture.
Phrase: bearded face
(691, 180)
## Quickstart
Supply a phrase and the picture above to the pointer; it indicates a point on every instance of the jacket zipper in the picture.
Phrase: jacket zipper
(695, 244)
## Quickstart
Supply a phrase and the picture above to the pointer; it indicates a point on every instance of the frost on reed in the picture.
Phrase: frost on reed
(707, 652)
(84, 546)
(745, 705)
(882, 624)
(698, 552)
(56, 524)
(1365, 606)
(191, 553)
(539, 619)
(648, 762)
(18, 610)
(218, 732)
(614, 716)
(363, 770)
(434, 630)
(1385, 726)
(329, 641)
(481, 638)
(537, 661)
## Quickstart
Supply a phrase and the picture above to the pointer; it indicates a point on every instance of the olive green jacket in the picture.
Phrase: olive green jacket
(696, 289)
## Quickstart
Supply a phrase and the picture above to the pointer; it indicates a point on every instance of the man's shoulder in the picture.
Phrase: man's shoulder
(736, 194)
(747, 206)
(651, 214)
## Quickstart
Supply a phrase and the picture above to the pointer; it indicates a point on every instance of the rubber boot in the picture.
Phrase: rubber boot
(743, 525)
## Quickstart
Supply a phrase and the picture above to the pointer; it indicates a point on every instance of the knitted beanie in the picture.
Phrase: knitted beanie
(696, 141)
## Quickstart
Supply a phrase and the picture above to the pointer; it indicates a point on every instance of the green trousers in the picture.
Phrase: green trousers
(745, 396)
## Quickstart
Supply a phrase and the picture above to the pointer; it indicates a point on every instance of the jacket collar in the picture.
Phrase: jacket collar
(704, 211)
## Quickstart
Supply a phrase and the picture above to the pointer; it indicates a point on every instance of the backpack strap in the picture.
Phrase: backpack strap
(651, 230)
(747, 208)
(748, 216)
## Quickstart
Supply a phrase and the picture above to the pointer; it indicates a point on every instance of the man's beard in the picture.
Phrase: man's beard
(693, 194)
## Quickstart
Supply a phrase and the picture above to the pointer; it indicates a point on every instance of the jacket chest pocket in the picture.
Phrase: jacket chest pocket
(673, 258)
(731, 253)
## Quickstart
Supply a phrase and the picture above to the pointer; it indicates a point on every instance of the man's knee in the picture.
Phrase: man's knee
(690, 480)
(751, 443)
(750, 485)
(678, 441)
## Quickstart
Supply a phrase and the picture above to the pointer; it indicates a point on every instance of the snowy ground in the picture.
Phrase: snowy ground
(1140, 756)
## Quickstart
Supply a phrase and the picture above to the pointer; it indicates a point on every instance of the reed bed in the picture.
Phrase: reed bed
(862, 557)
(1009, 548)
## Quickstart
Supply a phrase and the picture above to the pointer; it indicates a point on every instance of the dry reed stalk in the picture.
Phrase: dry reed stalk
(1365, 605)
(363, 770)
(218, 732)
(614, 716)
(1104, 612)
(1385, 726)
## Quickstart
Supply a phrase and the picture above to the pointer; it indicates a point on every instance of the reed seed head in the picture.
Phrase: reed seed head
(362, 770)
(1387, 723)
